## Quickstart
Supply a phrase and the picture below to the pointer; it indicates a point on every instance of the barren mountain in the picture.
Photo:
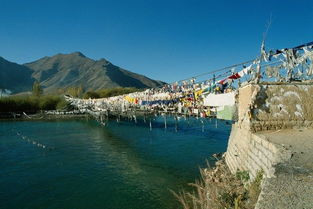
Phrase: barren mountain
(68, 70)
(15, 77)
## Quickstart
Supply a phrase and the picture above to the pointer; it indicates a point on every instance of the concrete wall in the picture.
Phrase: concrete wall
(263, 107)
(252, 152)
(275, 106)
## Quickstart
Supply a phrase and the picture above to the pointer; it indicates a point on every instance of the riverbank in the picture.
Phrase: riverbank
(219, 188)
(43, 116)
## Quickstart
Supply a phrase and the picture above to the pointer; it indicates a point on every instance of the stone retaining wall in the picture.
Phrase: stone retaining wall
(263, 107)
(252, 152)
(258, 141)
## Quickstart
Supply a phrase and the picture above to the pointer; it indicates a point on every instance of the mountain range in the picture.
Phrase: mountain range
(69, 70)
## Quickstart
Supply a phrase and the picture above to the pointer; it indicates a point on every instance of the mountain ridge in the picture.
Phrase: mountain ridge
(14, 77)
(73, 69)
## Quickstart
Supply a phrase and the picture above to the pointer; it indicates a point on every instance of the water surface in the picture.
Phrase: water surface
(81, 164)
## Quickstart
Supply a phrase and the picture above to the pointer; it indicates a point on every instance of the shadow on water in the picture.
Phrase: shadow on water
(132, 166)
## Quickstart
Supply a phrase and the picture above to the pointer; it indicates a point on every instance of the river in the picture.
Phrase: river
(123, 165)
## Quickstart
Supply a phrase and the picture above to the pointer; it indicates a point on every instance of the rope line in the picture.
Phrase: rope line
(243, 63)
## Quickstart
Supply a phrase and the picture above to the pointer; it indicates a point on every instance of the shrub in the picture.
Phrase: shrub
(91, 95)
(110, 92)
(243, 176)
(49, 102)
(103, 93)
(31, 103)
(62, 105)
(219, 188)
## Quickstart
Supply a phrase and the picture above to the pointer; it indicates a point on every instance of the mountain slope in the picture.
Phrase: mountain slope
(75, 69)
(15, 77)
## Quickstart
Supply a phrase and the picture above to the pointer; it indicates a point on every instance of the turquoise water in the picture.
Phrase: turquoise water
(81, 164)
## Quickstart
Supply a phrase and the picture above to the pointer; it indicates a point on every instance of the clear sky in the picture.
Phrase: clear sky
(162, 39)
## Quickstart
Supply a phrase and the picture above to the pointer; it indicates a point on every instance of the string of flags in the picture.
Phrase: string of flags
(285, 65)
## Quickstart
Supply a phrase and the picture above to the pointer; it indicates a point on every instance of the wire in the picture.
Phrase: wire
(236, 65)
(218, 70)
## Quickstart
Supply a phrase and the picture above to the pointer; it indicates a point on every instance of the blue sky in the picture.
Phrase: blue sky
(165, 40)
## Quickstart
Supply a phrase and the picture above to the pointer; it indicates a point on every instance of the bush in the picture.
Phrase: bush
(219, 188)
(103, 93)
(62, 105)
(111, 92)
(91, 95)
(243, 176)
(31, 103)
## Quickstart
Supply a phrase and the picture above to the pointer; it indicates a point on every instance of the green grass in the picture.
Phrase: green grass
(32, 103)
